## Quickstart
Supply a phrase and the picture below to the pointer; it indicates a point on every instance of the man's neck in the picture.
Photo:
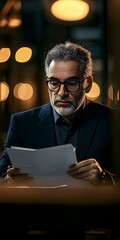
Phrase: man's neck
(70, 118)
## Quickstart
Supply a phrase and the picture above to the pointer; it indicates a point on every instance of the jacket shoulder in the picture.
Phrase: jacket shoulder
(101, 108)
(33, 111)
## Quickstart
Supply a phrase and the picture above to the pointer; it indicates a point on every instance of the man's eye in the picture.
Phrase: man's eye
(72, 83)
(54, 83)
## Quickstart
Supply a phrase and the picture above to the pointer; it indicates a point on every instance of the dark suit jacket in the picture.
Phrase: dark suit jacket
(35, 129)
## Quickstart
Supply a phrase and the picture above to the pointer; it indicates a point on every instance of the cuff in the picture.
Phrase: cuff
(107, 178)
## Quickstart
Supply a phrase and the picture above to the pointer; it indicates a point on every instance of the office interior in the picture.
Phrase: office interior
(22, 81)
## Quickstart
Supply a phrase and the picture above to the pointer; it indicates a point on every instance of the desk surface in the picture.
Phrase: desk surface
(61, 195)
(57, 212)
(59, 208)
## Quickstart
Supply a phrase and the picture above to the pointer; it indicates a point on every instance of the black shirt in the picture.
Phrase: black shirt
(66, 132)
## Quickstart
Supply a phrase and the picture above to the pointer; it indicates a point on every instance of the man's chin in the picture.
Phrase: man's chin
(64, 111)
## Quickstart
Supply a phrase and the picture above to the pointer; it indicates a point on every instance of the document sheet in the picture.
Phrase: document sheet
(48, 165)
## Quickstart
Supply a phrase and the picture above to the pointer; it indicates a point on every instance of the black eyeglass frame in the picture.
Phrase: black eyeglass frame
(64, 83)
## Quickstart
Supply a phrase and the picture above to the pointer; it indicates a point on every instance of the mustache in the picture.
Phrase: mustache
(69, 101)
(63, 98)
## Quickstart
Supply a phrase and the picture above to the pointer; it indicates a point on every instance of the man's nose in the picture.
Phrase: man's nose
(62, 90)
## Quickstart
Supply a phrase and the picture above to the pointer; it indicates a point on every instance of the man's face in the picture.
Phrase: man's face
(63, 101)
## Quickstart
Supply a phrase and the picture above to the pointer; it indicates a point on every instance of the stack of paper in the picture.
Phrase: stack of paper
(48, 165)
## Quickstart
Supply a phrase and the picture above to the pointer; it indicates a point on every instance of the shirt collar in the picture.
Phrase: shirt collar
(56, 115)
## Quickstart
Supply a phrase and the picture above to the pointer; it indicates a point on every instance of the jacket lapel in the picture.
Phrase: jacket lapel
(46, 127)
(86, 134)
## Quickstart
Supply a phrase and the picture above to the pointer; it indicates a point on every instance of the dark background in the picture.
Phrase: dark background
(99, 32)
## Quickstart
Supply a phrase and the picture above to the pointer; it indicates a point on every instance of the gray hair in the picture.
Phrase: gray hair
(71, 51)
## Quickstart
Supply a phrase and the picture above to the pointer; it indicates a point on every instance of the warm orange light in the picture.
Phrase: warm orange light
(3, 22)
(4, 54)
(110, 92)
(70, 10)
(4, 91)
(118, 95)
(10, 15)
(14, 22)
(15, 19)
(23, 91)
(94, 92)
(23, 54)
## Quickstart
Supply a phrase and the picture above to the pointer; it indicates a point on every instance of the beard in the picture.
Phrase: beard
(65, 106)
(64, 111)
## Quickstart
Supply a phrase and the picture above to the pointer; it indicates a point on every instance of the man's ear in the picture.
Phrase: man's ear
(89, 84)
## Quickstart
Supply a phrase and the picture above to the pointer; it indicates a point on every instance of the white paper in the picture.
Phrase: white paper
(48, 165)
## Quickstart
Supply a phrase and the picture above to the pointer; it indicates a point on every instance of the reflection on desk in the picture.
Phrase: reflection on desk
(26, 209)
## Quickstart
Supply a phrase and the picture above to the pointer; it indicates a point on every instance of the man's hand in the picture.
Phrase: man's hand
(88, 170)
(15, 177)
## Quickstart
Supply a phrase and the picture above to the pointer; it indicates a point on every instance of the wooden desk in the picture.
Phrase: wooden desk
(58, 210)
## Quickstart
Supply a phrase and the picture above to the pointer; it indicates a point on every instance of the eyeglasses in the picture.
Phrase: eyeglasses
(72, 85)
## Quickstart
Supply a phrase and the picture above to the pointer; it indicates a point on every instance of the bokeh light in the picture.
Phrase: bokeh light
(4, 91)
(23, 91)
(94, 92)
(23, 54)
(4, 54)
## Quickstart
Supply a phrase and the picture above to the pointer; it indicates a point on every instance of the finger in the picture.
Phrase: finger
(10, 166)
(78, 169)
(85, 176)
(10, 171)
(83, 172)
(83, 163)
(87, 162)
(73, 166)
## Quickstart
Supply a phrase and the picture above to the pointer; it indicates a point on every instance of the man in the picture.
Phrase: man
(69, 118)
